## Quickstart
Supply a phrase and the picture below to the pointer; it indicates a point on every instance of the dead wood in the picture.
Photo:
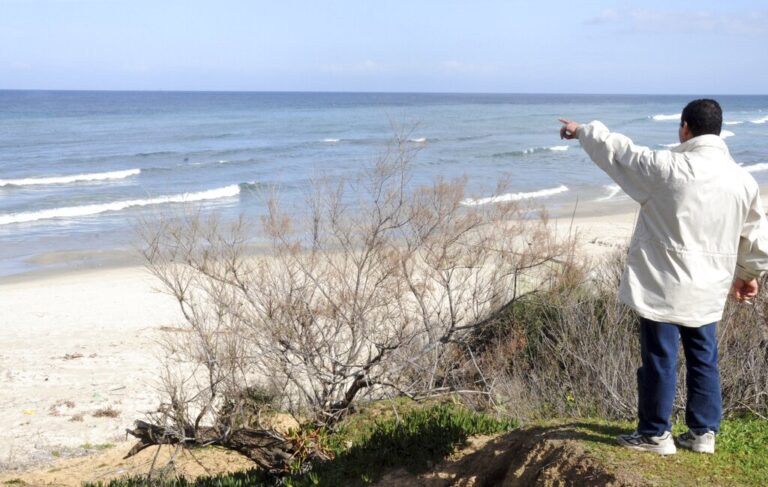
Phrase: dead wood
(267, 448)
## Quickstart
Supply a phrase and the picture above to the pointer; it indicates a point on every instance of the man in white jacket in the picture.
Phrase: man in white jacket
(701, 219)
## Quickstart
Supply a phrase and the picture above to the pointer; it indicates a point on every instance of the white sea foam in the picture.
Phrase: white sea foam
(554, 148)
(514, 196)
(75, 211)
(671, 145)
(613, 190)
(420, 140)
(760, 120)
(724, 134)
(661, 117)
(330, 141)
(733, 122)
(99, 176)
(763, 166)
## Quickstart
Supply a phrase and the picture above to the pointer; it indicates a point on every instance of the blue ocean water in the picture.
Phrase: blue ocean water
(78, 168)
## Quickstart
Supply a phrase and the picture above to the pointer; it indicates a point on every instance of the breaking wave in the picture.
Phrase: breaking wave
(724, 134)
(514, 196)
(613, 190)
(532, 150)
(734, 122)
(661, 117)
(763, 166)
(99, 176)
(760, 120)
(75, 211)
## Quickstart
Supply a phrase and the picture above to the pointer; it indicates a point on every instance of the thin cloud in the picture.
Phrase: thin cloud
(363, 67)
(605, 17)
(458, 67)
(751, 23)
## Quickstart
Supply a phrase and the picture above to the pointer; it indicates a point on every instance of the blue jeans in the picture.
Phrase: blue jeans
(656, 379)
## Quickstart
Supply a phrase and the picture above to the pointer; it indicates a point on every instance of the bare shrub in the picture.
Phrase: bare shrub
(569, 350)
(743, 349)
(574, 350)
(376, 289)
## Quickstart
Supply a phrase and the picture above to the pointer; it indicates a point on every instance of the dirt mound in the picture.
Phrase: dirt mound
(109, 464)
(526, 457)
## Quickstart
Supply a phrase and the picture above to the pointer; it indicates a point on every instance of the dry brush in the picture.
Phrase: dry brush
(378, 288)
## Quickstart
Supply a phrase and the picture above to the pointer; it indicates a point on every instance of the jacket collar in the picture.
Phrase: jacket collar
(701, 141)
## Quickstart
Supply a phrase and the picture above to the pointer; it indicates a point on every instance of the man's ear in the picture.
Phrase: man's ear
(685, 132)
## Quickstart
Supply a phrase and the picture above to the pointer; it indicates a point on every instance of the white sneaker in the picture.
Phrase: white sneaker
(703, 443)
(662, 445)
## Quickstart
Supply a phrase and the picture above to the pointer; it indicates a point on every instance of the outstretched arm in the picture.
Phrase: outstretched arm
(637, 170)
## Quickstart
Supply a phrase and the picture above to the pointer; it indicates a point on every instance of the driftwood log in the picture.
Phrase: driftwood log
(269, 449)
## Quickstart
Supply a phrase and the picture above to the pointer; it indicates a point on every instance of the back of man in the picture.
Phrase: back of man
(694, 204)
(700, 220)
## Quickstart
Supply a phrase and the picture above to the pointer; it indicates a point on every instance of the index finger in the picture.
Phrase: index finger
(565, 121)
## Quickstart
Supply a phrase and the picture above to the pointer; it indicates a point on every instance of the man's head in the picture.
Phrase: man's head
(700, 117)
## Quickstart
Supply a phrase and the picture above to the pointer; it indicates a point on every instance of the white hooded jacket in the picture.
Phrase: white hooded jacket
(701, 219)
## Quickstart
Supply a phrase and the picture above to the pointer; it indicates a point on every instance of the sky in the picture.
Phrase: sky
(497, 46)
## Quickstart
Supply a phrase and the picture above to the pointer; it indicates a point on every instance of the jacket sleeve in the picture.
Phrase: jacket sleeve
(752, 260)
(634, 168)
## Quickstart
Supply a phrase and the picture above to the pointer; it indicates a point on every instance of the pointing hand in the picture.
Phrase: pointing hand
(569, 130)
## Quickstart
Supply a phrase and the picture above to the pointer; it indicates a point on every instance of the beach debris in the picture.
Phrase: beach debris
(106, 412)
(55, 409)
(269, 449)
(72, 356)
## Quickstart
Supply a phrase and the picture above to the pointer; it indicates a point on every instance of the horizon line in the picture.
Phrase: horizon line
(364, 92)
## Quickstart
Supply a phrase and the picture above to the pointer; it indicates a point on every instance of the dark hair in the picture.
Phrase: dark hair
(703, 116)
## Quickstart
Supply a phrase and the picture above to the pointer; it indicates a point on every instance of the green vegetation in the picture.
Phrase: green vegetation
(374, 441)
(367, 446)
(740, 459)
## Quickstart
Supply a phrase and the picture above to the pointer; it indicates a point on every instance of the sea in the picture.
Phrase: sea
(80, 169)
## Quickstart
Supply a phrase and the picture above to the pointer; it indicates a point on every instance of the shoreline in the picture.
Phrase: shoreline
(52, 264)
(594, 214)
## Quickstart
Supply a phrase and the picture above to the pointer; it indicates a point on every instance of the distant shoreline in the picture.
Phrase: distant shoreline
(335, 92)
(599, 222)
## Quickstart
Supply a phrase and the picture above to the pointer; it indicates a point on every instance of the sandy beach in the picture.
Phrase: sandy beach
(79, 358)
(77, 363)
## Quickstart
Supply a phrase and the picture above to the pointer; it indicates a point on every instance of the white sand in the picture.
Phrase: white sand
(105, 318)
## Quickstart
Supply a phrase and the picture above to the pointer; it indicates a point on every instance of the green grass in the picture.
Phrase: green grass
(368, 445)
(741, 457)
(375, 441)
